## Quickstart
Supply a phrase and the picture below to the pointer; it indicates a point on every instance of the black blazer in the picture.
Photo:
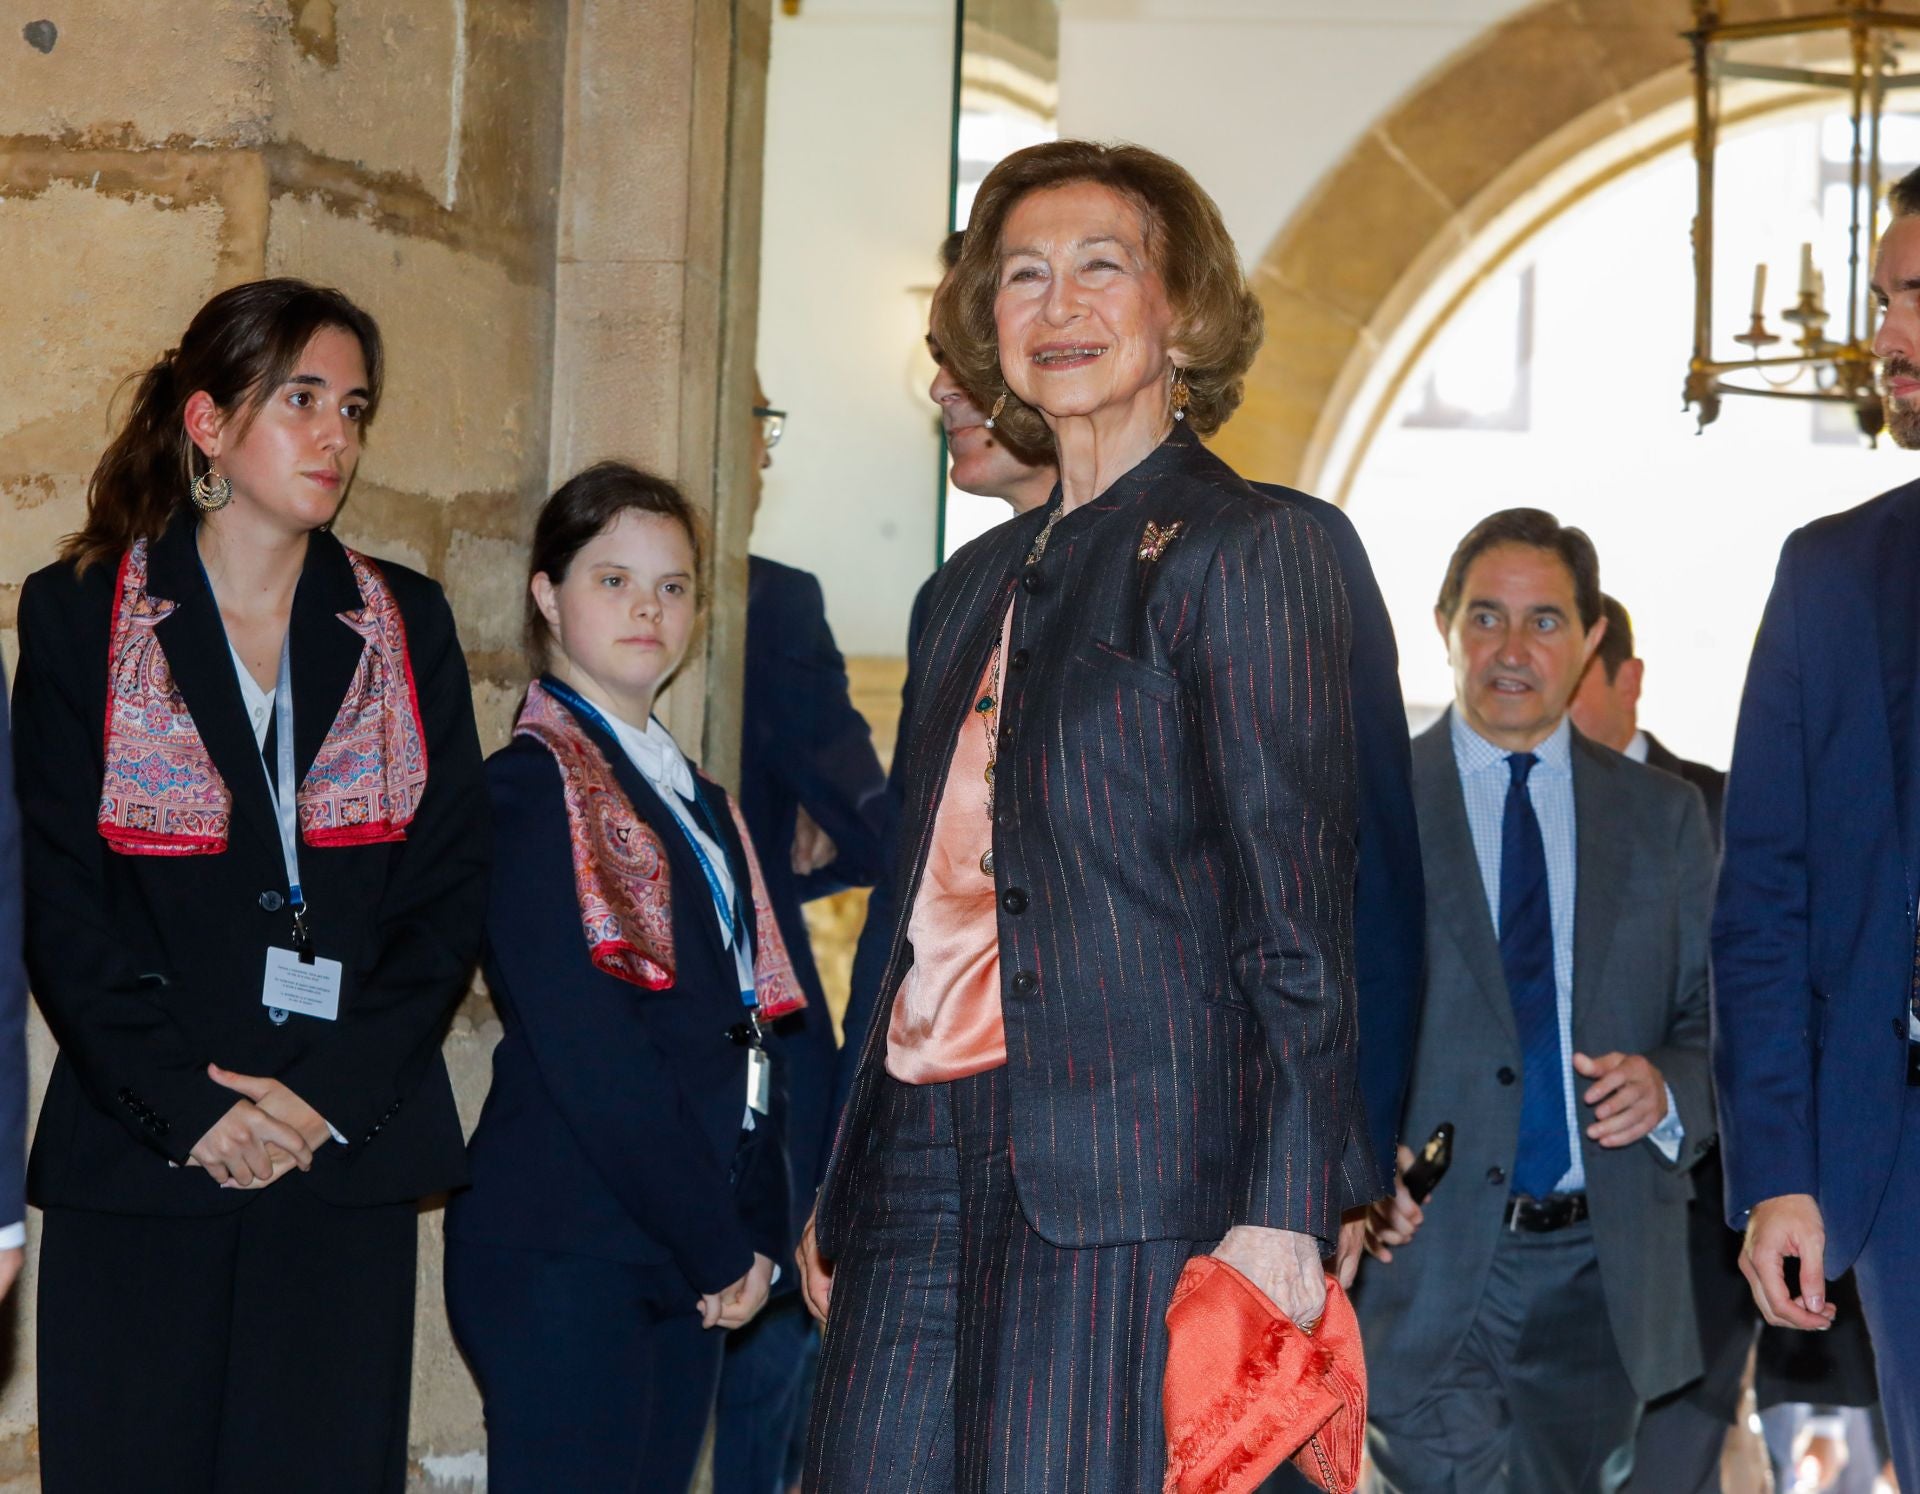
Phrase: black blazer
(1174, 841)
(803, 745)
(613, 1128)
(150, 967)
(1711, 782)
(1389, 908)
(13, 994)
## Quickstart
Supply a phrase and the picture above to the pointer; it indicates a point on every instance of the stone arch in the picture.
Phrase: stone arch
(1600, 82)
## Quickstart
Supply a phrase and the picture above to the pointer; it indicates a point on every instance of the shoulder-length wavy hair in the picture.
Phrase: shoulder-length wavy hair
(1217, 320)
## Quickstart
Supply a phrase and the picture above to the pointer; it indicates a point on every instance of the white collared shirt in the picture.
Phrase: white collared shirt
(1484, 778)
(1638, 748)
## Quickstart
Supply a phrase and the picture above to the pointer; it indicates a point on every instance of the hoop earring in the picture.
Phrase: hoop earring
(1181, 395)
(211, 492)
(998, 405)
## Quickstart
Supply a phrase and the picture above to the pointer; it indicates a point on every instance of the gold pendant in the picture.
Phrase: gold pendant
(989, 772)
(986, 862)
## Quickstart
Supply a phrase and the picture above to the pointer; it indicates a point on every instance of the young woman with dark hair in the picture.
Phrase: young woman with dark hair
(255, 862)
(630, 1191)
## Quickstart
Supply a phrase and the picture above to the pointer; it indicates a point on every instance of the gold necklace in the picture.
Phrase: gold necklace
(987, 707)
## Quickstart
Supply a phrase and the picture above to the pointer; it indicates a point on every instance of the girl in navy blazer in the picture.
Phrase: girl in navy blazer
(630, 1190)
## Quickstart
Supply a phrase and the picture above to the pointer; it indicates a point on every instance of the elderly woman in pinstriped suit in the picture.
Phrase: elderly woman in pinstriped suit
(1120, 1024)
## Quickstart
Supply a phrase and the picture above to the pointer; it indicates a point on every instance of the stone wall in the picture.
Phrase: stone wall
(422, 155)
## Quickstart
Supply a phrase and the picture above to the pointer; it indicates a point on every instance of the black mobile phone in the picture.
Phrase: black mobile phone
(1432, 1163)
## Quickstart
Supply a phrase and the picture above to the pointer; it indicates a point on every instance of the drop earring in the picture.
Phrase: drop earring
(211, 492)
(1181, 395)
(998, 405)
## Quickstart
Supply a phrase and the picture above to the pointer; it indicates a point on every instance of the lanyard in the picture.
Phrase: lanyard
(280, 785)
(728, 908)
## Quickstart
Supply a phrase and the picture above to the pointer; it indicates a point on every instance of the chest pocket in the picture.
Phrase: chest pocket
(1108, 663)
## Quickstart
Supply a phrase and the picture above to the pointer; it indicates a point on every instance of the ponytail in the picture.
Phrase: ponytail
(239, 348)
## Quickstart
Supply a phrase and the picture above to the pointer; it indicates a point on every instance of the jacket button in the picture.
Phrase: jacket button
(1025, 983)
(1032, 580)
(1018, 659)
(271, 901)
(1496, 1175)
(1900, 1027)
(1014, 901)
(1505, 1075)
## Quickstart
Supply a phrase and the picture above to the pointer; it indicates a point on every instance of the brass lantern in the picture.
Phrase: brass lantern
(1747, 65)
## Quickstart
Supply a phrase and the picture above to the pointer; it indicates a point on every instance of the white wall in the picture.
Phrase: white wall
(1257, 98)
(859, 117)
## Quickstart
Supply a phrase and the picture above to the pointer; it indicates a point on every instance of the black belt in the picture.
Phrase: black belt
(1538, 1216)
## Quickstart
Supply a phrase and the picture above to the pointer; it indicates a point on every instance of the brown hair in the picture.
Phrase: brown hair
(1217, 319)
(1541, 530)
(1904, 195)
(1616, 644)
(579, 511)
(239, 348)
(950, 248)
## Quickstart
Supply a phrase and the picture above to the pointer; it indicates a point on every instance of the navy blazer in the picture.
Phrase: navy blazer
(1813, 947)
(804, 746)
(13, 993)
(1389, 915)
(613, 1127)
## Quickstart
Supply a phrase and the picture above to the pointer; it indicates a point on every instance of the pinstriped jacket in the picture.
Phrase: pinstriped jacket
(1174, 845)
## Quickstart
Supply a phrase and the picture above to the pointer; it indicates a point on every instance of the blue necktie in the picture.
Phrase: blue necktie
(1526, 955)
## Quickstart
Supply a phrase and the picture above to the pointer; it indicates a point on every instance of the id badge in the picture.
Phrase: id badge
(299, 987)
(759, 1081)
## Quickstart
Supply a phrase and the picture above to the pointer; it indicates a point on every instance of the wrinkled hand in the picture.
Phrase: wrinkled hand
(1629, 1100)
(1284, 1264)
(1353, 1245)
(735, 1306)
(816, 1273)
(1789, 1225)
(1392, 1222)
(813, 848)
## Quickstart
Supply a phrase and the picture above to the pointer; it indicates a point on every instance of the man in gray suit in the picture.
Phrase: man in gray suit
(1516, 1324)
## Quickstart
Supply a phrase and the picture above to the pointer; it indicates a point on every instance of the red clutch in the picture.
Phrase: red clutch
(1246, 1389)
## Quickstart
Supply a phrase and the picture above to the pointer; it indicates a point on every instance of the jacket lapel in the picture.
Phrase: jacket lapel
(1602, 856)
(1455, 892)
(1898, 613)
(195, 643)
(325, 650)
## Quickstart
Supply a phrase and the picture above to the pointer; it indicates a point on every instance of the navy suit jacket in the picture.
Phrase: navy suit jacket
(1813, 948)
(804, 746)
(13, 993)
(1175, 859)
(1389, 891)
(613, 1126)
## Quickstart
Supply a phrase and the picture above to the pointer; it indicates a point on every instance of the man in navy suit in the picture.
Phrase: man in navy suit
(13, 1023)
(814, 798)
(1817, 1006)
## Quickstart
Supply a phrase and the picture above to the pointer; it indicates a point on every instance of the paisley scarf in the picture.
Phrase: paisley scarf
(620, 872)
(162, 794)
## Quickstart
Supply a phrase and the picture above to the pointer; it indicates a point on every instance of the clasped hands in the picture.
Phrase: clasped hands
(269, 1131)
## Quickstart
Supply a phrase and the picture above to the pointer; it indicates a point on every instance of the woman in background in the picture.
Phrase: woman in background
(255, 861)
(629, 1183)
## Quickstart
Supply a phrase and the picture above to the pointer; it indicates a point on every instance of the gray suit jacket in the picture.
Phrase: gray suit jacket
(1645, 884)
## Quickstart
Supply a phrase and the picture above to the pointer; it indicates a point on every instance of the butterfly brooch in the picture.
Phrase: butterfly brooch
(1153, 543)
